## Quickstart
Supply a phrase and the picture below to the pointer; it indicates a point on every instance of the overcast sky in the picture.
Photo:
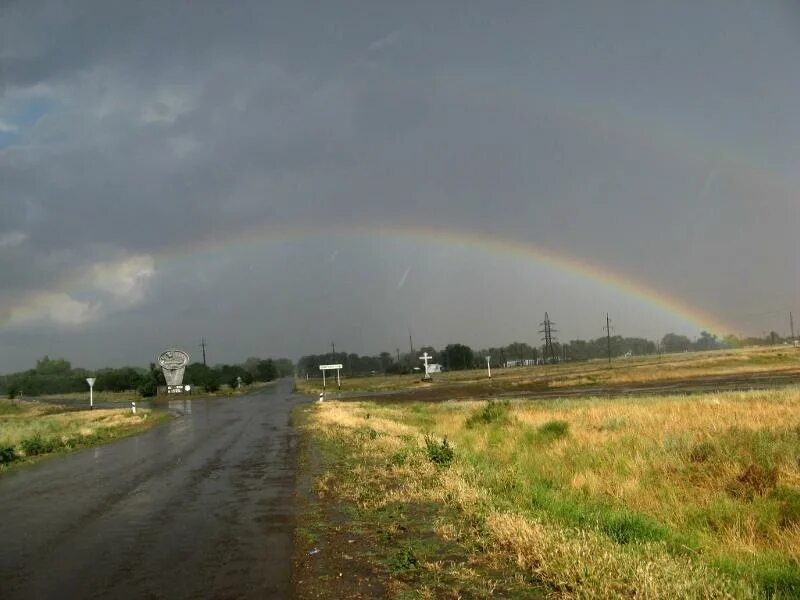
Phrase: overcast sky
(151, 151)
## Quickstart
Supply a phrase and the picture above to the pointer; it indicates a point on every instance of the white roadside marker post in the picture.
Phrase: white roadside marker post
(489, 365)
(90, 381)
(133, 406)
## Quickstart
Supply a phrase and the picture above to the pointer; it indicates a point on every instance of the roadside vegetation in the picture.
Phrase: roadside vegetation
(674, 496)
(57, 378)
(30, 431)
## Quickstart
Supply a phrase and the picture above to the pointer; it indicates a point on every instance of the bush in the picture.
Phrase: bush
(492, 412)
(7, 455)
(211, 386)
(439, 453)
(33, 446)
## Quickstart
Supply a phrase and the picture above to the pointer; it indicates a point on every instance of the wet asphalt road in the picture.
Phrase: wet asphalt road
(198, 508)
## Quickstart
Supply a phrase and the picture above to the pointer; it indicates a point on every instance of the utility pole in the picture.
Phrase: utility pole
(608, 336)
(791, 324)
(548, 331)
(398, 356)
(410, 343)
(203, 346)
(333, 349)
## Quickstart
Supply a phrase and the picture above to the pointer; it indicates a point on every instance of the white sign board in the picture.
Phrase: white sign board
(90, 381)
(336, 368)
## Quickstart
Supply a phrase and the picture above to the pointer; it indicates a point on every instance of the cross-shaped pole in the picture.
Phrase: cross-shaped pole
(426, 357)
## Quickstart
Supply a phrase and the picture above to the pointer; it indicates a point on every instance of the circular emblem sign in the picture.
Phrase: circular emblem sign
(173, 359)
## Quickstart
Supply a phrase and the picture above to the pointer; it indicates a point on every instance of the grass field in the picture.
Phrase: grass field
(676, 496)
(29, 431)
(634, 370)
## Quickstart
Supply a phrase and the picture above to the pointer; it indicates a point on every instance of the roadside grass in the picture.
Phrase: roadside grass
(83, 397)
(633, 370)
(678, 496)
(29, 431)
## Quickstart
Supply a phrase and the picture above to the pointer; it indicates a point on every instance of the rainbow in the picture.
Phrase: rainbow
(621, 282)
(526, 251)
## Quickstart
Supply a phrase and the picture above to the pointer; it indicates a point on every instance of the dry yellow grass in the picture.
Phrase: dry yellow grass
(20, 421)
(663, 465)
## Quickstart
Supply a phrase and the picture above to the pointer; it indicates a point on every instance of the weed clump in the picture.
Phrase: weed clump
(7, 455)
(788, 505)
(755, 480)
(702, 452)
(552, 431)
(492, 412)
(627, 528)
(404, 560)
(36, 445)
(439, 453)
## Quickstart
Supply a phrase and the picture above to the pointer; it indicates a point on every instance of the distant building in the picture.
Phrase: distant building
(434, 368)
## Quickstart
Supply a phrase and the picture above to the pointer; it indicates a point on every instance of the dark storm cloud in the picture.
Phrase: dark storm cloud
(632, 134)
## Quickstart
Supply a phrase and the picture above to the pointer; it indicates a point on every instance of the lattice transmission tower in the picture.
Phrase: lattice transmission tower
(547, 332)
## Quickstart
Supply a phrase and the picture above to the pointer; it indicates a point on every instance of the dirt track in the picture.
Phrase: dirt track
(540, 390)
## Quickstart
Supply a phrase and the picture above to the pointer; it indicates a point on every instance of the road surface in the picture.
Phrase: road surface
(198, 508)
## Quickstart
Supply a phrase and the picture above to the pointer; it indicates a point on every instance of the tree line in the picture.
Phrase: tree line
(456, 357)
(57, 376)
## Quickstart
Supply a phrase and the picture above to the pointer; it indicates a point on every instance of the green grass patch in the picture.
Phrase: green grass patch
(491, 413)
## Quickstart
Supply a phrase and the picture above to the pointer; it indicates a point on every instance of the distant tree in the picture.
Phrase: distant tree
(707, 341)
(149, 388)
(457, 357)
(284, 367)
(672, 342)
(386, 361)
(55, 366)
(266, 371)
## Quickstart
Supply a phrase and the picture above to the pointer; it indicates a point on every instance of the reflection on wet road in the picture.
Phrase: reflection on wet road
(199, 508)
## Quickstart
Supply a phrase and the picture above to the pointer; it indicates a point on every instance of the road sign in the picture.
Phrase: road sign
(324, 368)
(90, 381)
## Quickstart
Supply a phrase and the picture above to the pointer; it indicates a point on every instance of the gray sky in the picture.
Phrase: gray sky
(151, 154)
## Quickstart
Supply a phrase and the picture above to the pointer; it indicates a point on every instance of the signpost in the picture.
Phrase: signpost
(90, 381)
(426, 357)
(489, 365)
(337, 368)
